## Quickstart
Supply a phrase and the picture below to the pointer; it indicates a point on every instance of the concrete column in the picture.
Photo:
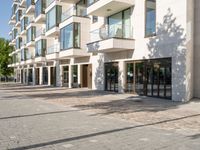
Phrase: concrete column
(70, 76)
(61, 76)
(80, 71)
(24, 77)
(122, 76)
(33, 74)
(27, 75)
(41, 76)
(49, 76)
(58, 77)
(19, 72)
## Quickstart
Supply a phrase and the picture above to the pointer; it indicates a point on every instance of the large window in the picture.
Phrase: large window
(40, 48)
(70, 36)
(150, 26)
(119, 25)
(40, 7)
(53, 17)
(18, 15)
(23, 54)
(18, 43)
(150, 77)
(24, 23)
(31, 34)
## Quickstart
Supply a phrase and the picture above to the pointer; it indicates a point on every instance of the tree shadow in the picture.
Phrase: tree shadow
(99, 75)
(89, 135)
(131, 105)
(170, 42)
(194, 137)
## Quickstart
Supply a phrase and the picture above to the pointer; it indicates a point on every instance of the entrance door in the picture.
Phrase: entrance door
(139, 78)
(66, 76)
(45, 75)
(37, 76)
(30, 76)
(85, 76)
(53, 76)
(111, 77)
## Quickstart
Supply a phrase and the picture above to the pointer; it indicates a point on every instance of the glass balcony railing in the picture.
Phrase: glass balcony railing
(74, 11)
(112, 31)
(90, 2)
(53, 49)
(49, 2)
(40, 32)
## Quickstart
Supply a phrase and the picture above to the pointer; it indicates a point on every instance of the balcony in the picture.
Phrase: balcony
(30, 7)
(72, 53)
(40, 34)
(40, 19)
(23, 3)
(111, 39)
(70, 1)
(29, 58)
(52, 24)
(12, 21)
(11, 43)
(73, 15)
(52, 52)
(39, 59)
(104, 8)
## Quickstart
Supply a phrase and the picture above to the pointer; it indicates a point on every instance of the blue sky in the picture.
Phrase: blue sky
(5, 13)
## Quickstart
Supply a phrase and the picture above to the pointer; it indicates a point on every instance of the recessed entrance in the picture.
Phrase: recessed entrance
(150, 78)
(111, 77)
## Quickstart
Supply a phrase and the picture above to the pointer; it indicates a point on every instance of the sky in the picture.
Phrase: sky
(5, 13)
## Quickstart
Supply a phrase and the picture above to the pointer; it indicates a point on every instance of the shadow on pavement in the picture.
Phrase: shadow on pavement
(39, 145)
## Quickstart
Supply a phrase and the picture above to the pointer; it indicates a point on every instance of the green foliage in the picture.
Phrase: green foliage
(5, 59)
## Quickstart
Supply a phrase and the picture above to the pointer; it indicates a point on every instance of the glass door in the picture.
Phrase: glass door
(139, 78)
(66, 76)
(111, 77)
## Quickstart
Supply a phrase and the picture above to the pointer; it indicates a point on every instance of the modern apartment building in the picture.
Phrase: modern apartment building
(144, 47)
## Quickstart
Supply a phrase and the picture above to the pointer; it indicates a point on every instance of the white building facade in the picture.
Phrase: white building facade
(144, 47)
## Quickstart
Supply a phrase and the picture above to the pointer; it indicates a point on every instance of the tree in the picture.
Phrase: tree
(5, 59)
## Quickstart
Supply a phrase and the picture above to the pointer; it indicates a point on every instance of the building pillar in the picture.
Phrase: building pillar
(58, 77)
(24, 76)
(33, 76)
(70, 76)
(49, 75)
(41, 76)
(122, 77)
(80, 72)
(61, 76)
(27, 75)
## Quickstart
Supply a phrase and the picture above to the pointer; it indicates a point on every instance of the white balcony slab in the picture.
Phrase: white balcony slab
(111, 45)
(106, 8)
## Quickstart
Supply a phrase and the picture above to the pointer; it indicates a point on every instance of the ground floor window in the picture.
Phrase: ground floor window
(150, 77)
(75, 76)
(111, 77)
